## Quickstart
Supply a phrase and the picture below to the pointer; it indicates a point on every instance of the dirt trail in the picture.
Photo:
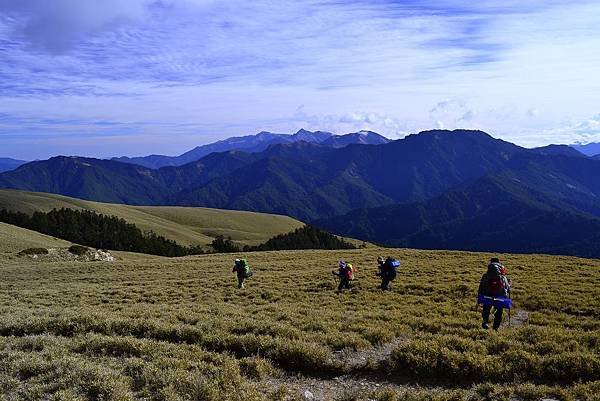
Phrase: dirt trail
(352, 361)
(347, 383)
(519, 318)
(357, 374)
(340, 387)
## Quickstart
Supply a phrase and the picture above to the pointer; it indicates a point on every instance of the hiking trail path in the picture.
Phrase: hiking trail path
(355, 377)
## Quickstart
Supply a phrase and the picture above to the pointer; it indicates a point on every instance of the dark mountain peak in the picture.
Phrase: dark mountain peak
(311, 136)
(303, 131)
(558, 150)
(440, 133)
(459, 138)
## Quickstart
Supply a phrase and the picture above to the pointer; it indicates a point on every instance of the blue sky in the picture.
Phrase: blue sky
(113, 77)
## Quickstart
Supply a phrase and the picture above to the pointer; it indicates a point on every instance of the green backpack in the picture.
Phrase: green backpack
(245, 268)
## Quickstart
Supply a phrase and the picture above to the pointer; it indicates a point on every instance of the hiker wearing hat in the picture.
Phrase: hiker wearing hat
(345, 273)
(494, 291)
(242, 269)
(387, 270)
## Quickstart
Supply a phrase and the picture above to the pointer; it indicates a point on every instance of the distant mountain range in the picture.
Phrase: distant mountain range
(590, 149)
(437, 189)
(300, 179)
(257, 143)
(7, 164)
(557, 150)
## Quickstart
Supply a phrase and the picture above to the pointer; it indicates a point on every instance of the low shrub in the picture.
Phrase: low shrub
(79, 250)
(33, 251)
(256, 368)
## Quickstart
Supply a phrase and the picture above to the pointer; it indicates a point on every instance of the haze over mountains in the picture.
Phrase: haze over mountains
(8, 164)
(590, 149)
(257, 143)
(437, 189)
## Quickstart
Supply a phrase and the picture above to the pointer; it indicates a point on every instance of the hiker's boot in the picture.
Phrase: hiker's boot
(485, 325)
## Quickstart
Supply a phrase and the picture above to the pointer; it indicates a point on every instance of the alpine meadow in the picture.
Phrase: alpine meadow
(357, 200)
(155, 328)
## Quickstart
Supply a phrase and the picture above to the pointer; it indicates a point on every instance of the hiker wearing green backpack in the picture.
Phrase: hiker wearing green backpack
(242, 269)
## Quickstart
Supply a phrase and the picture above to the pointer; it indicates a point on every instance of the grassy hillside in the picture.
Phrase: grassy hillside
(186, 225)
(14, 239)
(173, 329)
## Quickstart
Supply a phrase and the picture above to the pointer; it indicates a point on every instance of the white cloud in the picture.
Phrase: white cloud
(515, 70)
(59, 24)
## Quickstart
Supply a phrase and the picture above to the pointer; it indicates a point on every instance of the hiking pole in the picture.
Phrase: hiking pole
(508, 294)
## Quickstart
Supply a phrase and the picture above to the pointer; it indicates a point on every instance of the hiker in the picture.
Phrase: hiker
(345, 273)
(387, 270)
(242, 269)
(494, 291)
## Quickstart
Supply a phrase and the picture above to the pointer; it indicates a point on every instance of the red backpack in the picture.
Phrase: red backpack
(350, 271)
(496, 285)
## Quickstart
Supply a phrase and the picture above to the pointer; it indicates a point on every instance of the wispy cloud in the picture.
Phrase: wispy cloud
(237, 67)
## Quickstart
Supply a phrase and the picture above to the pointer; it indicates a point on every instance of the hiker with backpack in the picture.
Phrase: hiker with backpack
(242, 269)
(387, 270)
(494, 291)
(345, 273)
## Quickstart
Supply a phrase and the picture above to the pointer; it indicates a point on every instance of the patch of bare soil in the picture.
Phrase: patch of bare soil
(347, 384)
(351, 361)
(519, 318)
(339, 388)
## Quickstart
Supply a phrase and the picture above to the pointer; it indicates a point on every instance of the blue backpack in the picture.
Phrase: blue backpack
(392, 266)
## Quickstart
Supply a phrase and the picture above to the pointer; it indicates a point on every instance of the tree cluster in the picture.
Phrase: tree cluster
(96, 230)
(307, 237)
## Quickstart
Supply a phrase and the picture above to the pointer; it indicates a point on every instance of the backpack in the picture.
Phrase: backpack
(243, 268)
(349, 272)
(496, 283)
(392, 266)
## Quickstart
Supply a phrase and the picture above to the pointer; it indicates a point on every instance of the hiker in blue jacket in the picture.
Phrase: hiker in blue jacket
(494, 283)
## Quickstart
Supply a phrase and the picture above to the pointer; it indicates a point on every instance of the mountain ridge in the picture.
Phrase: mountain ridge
(255, 143)
(432, 170)
(300, 179)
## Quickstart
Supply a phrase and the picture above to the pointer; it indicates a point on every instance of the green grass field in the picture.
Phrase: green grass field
(14, 239)
(186, 225)
(152, 328)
